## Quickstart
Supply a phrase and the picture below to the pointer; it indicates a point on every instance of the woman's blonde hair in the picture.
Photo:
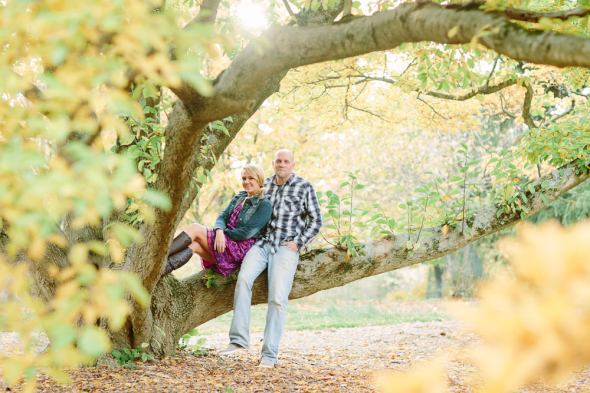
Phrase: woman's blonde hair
(257, 173)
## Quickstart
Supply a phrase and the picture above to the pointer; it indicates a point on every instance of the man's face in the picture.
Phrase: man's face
(283, 164)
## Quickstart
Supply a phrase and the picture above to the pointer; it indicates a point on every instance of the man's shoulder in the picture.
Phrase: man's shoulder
(301, 181)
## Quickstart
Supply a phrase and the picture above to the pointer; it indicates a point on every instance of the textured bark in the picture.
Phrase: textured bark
(43, 284)
(282, 48)
(185, 135)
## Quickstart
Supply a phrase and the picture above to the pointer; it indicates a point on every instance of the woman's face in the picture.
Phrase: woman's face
(249, 183)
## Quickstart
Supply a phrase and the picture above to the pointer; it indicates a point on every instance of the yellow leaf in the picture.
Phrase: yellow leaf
(545, 24)
(445, 229)
(453, 32)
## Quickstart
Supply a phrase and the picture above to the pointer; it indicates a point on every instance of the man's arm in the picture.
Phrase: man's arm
(314, 213)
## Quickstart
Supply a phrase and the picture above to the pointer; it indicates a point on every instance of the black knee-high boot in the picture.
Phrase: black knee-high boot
(181, 241)
(177, 260)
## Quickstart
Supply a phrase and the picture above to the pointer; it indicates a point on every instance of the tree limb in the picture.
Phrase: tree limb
(207, 13)
(328, 267)
(526, 107)
(287, 47)
(535, 17)
(480, 90)
(554, 119)
(288, 7)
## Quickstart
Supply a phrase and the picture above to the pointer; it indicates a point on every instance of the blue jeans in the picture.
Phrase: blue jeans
(281, 270)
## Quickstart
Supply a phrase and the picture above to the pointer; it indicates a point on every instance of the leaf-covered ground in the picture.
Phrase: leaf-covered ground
(328, 360)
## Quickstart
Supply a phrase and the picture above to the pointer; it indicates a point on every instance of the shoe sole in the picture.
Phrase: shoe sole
(229, 353)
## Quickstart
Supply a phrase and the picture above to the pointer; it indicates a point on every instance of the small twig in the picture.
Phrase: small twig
(526, 107)
(562, 115)
(369, 112)
(493, 69)
(289, 10)
(434, 110)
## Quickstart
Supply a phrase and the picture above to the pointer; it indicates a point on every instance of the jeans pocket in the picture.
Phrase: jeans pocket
(294, 252)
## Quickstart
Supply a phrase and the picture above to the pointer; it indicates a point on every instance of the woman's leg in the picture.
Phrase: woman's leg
(198, 233)
(203, 252)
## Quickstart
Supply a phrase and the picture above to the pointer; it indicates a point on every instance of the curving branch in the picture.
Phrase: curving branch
(480, 90)
(535, 17)
(328, 267)
(554, 119)
(287, 47)
(522, 15)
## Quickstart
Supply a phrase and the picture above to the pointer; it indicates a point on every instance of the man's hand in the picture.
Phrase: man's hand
(292, 246)
(219, 240)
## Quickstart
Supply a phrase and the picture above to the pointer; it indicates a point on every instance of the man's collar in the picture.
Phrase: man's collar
(293, 176)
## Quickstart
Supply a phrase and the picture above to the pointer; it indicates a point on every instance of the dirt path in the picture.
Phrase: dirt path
(332, 360)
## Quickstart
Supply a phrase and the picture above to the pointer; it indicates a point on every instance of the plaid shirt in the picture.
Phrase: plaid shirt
(296, 213)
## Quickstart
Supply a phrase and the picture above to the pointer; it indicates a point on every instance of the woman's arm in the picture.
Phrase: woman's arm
(257, 222)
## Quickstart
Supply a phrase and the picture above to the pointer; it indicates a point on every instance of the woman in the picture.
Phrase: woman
(223, 247)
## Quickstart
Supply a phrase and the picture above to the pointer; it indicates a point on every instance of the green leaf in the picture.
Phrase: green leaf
(531, 189)
(544, 198)
(343, 184)
(455, 178)
(359, 187)
(158, 199)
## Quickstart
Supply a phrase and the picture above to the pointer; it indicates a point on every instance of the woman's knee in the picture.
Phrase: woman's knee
(196, 247)
(196, 230)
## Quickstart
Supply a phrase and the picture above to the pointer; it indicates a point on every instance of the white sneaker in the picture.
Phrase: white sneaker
(231, 348)
(264, 362)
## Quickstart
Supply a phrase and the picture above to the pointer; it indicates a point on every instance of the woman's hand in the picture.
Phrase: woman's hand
(219, 240)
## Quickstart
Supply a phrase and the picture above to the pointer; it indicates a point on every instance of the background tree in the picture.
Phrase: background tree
(111, 128)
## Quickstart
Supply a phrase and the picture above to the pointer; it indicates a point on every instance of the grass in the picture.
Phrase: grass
(308, 314)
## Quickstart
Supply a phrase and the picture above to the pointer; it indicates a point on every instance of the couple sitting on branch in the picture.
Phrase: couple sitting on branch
(265, 226)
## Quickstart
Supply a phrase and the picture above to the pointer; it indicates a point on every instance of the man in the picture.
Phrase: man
(295, 220)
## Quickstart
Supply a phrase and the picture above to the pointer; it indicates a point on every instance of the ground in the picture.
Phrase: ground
(331, 359)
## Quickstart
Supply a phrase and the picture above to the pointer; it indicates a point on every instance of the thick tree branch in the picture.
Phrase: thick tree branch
(288, 47)
(328, 267)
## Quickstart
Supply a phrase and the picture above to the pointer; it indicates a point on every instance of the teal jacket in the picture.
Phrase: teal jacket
(253, 217)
